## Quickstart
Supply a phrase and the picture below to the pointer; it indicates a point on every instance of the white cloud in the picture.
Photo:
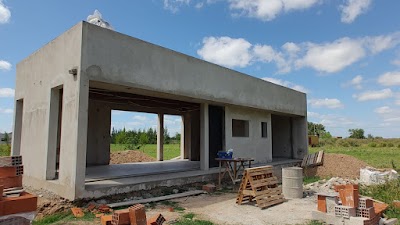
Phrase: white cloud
(268, 10)
(356, 82)
(5, 13)
(7, 92)
(390, 79)
(139, 117)
(332, 57)
(397, 101)
(175, 5)
(313, 114)
(265, 53)
(286, 84)
(396, 62)
(383, 110)
(331, 103)
(6, 111)
(226, 51)
(380, 43)
(353, 8)
(4, 65)
(374, 95)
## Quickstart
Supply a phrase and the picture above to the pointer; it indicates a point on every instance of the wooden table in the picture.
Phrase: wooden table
(232, 167)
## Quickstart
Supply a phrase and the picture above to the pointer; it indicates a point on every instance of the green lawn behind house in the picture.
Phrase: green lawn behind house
(170, 150)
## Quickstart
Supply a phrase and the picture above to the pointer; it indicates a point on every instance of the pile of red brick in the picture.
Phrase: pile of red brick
(134, 215)
(349, 204)
(14, 201)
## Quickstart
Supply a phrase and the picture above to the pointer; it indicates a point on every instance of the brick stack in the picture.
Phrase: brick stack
(352, 206)
(13, 199)
(134, 215)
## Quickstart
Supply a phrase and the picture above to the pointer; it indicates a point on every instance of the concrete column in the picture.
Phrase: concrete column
(182, 142)
(160, 137)
(204, 137)
(187, 136)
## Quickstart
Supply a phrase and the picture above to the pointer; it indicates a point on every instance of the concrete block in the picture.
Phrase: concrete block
(210, 188)
(11, 171)
(137, 215)
(344, 211)
(10, 161)
(156, 220)
(10, 182)
(368, 213)
(24, 203)
(106, 220)
(327, 218)
(120, 217)
(365, 203)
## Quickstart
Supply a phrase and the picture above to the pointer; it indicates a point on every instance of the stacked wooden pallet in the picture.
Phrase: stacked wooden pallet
(13, 199)
(314, 159)
(261, 185)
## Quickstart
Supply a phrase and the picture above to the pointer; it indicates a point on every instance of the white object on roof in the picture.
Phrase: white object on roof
(97, 19)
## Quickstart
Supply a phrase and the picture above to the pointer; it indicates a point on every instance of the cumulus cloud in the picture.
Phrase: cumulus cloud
(374, 95)
(4, 65)
(383, 110)
(226, 51)
(353, 8)
(327, 57)
(268, 10)
(332, 57)
(390, 79)
(331, 120)
(331, 103)
(175, 5)
(286, 84)
(6, 111)
(356, 82)
(5, 13)
(7, 92)
(388, 114)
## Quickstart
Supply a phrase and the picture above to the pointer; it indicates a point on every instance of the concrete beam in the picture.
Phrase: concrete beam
(204, 137)
(160, 137)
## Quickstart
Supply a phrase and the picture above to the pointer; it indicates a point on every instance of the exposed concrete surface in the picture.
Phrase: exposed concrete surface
(222, 209)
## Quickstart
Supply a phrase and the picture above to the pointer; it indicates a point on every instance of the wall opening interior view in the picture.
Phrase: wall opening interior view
(216, 132)
(134, 137)
(54, 136)
(282, 139)
(130, 134)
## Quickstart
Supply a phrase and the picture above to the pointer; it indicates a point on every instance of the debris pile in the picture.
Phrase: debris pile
(350, 208)
(327, 186)
(16, 205)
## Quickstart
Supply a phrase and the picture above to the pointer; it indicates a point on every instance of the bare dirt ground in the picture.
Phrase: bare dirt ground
(129, 156)
(337, 165)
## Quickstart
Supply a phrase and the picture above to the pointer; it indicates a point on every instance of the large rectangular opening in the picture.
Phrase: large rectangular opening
(150, 135)
(216, 115)
(282, 140)
(54, 136)
(17, 134)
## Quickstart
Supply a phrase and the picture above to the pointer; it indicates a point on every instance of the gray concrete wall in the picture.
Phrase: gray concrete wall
(36, 76)
(281, 137)
(300, 137)
(253, 146)
(98, 140)
(108, 56)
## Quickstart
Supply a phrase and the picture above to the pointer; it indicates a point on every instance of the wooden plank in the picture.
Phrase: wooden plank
(270, 196)
(156, 199)
(248, 192)
(253, 169)
(271, 203)
(262, 172)
(320, 157)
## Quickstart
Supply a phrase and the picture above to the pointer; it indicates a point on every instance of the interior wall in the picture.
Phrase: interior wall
(254, 146)
(281, 137)
(300, 136)
(195, 135)
(98, 137)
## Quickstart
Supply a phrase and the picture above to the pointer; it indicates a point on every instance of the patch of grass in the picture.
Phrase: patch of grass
(170, 150)
(386, 193)
(309, 180)
(174, 205)
(315, 222)
(189, 219)
(5, 150)
(379, 157)
(61, 218)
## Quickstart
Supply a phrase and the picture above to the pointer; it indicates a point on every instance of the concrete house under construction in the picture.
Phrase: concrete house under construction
(66, 90)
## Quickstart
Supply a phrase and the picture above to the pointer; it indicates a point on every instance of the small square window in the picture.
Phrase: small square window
(264, 129)
(240, 128)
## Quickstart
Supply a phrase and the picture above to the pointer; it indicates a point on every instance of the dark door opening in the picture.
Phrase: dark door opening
(216, 115)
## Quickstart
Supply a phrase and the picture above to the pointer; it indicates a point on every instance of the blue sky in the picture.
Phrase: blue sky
(345, 54)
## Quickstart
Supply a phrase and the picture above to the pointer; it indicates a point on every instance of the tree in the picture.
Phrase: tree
(143, 140)
(6, 138)
(318, 129)
(356, 133)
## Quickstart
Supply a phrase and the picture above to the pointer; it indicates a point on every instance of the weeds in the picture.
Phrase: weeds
(309, 180)
(189, 219)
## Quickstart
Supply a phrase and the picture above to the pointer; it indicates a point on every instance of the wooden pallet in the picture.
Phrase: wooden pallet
(314, 159)
(260, 184)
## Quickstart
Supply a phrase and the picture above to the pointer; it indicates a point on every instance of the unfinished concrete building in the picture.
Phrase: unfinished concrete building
(66, 90)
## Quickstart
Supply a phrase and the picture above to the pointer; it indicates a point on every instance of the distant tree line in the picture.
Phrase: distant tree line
(141, 137)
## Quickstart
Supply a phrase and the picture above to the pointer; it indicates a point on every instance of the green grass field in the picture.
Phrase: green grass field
(5, 150)
(379, 157)
(170, 150)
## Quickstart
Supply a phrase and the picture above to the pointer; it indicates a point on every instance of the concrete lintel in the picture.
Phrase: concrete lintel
(160, 137)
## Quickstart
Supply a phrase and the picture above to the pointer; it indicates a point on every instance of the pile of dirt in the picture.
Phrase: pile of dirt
(130, 156)
(337, 165)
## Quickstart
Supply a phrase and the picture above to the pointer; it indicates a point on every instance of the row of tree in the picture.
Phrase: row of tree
(141, 137)
(319, 129)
